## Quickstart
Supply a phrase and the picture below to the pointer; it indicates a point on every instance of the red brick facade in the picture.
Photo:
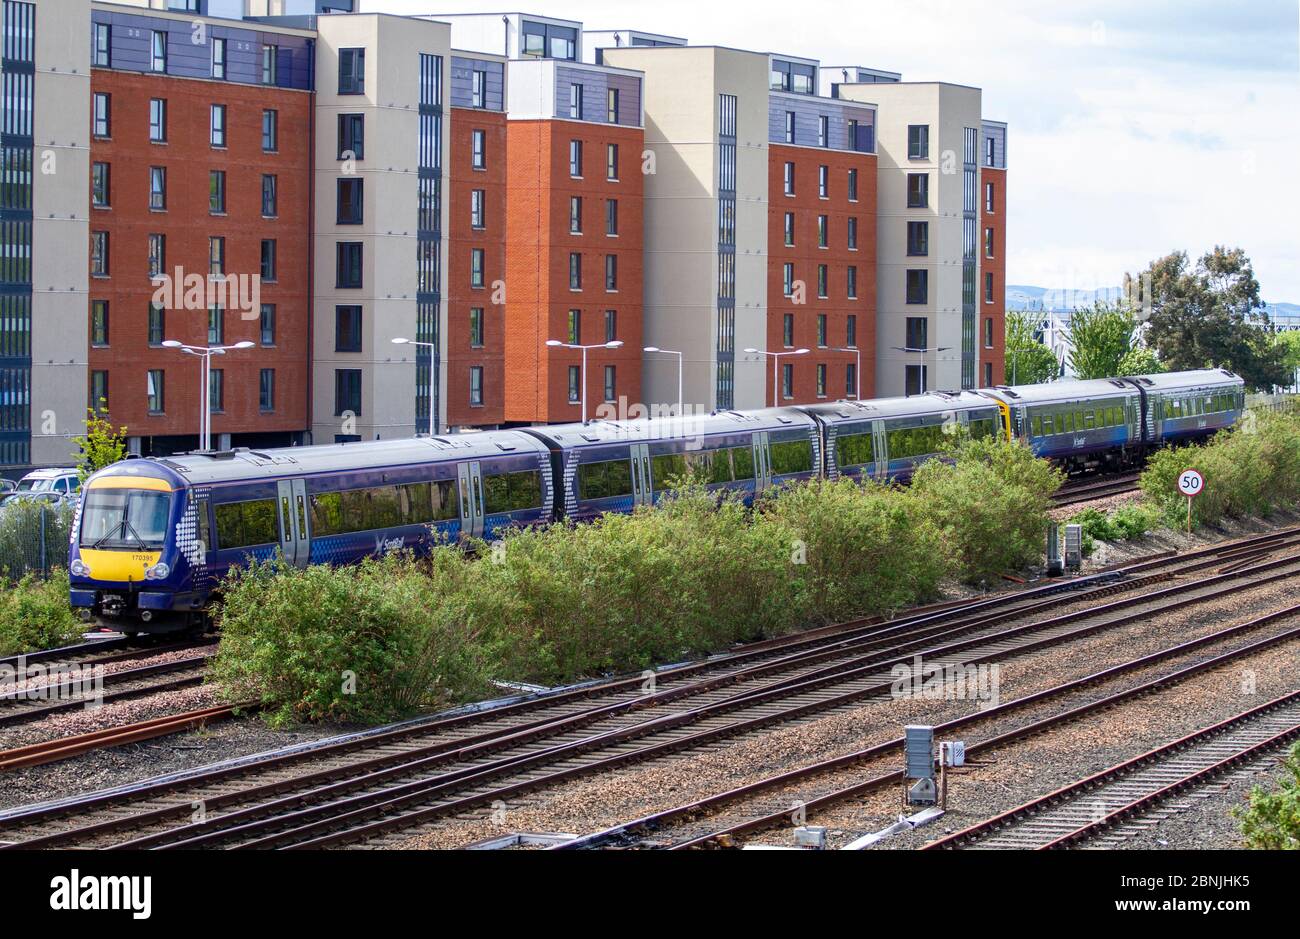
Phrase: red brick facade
(993, 312)
(539, 243)
(187, 223)
(807, 206)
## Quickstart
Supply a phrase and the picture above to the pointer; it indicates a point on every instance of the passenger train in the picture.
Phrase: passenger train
(153, 538)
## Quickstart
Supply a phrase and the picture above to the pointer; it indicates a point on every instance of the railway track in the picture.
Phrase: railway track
(412, 775)
(1096, 489)
(1075, 814)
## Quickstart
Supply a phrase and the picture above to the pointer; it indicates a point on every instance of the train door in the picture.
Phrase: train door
(470, 479)
(880, 444)
(762, 463)
(642, 484)
(295, 541)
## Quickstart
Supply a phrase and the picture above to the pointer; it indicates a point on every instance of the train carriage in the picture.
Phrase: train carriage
(1190, 406)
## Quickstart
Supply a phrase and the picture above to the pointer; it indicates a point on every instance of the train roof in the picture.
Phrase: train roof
(243, 463)
(934, 402)
(1184, 381)
(668, 428)
(1057, 391)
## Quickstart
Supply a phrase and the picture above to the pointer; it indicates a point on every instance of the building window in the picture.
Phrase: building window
(266, 390)
(478, 88)
(990, 151)
(821, 380)
(988, 374)
(789, 229)
(347, 391)
(575, 159)
(157, 324)
(611, 272)
(157, 120)
(268, 260)
(217, 192)
(157, 254)
(575, 271)
(611, 162)
(103, 46)
(476, 385)
(823, 131)
(918, 286)
(851, 381)
(103, 115)
(154, 388)
(99, 185)
(914, 381)
(988, 242)
(575, 384)
(476, 327)
(347, 329)
(988, 198)
(787, 279)
(218, 128)
(851, 331)
(218, 58)
(988, 332)
(853, 185)
(789, 179)
(351, 201)
(918, 334)
(918, 239)
(918, 142)
(988, 287)
(478, 149)
(851, 281)
(824, 182)
(611, 325)
(823, 231)
(610, 384)
(787, 330)
(216, 256)
(352, 136)
(217, 389)
(787, 381)
(575, 215)
(575, 101)
(789, 127)
(216, 325)
(270, 64)
(851, 227)
(611, 217)
(99, 391)
(158, 52)
(821, 330)
(157, 188)
(270, 131)
(611, 105)
(823, 286)
(99, 253)
(270, 202)
(574, 327)
(352, 71)
(99, 322)
(478, 209)
(918, 190)
(348, 264)
(266, 324)
(476, 267)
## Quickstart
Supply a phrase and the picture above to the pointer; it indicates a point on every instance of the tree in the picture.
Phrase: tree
(1029, 362)
(1290, 343)
(1139, 360)
(1271, 820)
(1101, 336)
(102, 446)
(1211, 315)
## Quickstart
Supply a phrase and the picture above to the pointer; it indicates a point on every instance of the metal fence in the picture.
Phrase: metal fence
(1278, 403)
(33, 538)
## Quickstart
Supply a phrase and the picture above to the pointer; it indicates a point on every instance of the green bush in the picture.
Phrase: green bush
(1251, 470)
(989, 505)
(1124, 524)
(367, 643)
(35, 614)
(1270, 821)
(21, 541)
(867, 549)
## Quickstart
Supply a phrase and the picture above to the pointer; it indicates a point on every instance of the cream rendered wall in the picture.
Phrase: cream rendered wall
(390, 170)
(60, 229)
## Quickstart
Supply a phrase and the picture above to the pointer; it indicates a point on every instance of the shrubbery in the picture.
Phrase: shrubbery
(1123, 524)
(1271, 820)
(34, 614)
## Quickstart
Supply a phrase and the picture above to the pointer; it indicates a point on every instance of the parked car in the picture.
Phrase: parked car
(62, 481)
(7, 486)
(46, 496)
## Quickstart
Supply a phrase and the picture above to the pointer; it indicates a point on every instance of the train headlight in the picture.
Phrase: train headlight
(159, 571)
(79, 568)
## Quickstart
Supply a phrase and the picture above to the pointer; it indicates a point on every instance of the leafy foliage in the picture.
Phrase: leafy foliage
(102, 446)
(35, 614)
(1139, 360)
(1101, 336)
(1028, 361)
(1270, 821)
(1124, 524)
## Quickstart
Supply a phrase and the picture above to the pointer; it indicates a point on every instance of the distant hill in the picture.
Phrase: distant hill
(1022, 297)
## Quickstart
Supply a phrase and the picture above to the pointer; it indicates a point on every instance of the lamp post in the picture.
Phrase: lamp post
(923, 352)
(433, 412)
(681, 366)
(776, 363)
(205, 377)
(557, 344)
(857, 371)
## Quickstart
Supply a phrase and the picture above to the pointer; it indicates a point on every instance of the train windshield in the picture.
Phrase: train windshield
(132, 519)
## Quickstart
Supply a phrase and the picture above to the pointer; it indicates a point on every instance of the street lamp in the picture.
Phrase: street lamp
(681, 366)
(433, 412)
(776, 362)
(557, 344)
(205, 377)
(923, 353)
(857, 371)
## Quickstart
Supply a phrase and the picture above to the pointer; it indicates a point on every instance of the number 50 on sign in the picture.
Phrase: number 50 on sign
(1190, 484)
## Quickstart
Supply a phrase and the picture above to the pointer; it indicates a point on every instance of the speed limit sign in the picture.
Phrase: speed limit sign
(1191, 483)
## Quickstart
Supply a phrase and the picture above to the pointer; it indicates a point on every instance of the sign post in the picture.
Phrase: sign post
(1191, 484)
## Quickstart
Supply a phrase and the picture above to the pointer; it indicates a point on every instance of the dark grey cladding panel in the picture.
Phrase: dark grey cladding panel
(595, 85)
(806, 114)
(189, 50)
(999, 137)
(462, 86)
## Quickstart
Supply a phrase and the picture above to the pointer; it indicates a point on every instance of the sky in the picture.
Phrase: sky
(1137, 127)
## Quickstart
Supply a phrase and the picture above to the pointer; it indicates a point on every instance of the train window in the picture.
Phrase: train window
(605, 480)
(430, 502)
(794, 456)
(915, 441)
(667, 467)
(854, 450)
(1090, 420)
(1037, 425)
(205, 528)
(985, 427)
(245, 524)
(742, 463)
(512, 492)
